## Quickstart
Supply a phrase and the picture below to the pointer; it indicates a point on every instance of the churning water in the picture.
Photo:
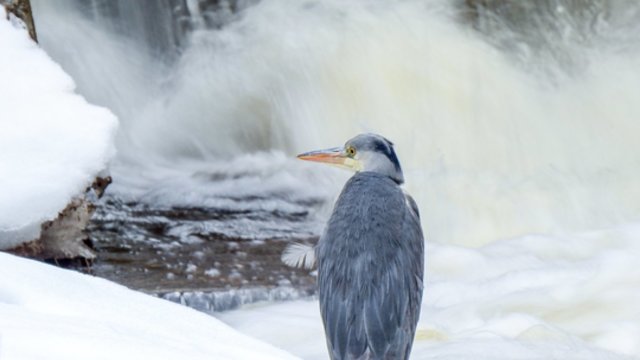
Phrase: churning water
(509, 118)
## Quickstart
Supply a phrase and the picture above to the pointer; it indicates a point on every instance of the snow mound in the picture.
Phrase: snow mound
(52, 142)
(50, 313)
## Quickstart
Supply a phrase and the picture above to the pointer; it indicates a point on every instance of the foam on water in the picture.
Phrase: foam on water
(534, 297)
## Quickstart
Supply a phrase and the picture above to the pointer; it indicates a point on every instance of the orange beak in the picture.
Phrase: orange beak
(331, 156)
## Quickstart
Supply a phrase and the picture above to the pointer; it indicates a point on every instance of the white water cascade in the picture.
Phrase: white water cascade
(500, 132)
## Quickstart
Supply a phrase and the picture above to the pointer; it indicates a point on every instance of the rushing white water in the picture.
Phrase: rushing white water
(506, 123)
(490, 151)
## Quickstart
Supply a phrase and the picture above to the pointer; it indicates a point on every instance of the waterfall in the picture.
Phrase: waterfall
(507, 121)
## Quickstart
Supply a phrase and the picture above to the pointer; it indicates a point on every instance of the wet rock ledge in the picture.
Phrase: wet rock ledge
(211, 259)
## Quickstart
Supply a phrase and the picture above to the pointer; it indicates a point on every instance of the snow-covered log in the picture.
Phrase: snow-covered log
(52, 142)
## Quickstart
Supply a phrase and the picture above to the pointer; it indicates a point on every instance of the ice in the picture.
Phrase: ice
(213, 272)
(52, 142)
(50, 313)
(223, 300)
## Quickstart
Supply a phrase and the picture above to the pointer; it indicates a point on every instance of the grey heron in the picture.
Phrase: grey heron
(370, 256)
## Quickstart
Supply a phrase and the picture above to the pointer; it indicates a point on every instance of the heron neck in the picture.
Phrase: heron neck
(397, 177)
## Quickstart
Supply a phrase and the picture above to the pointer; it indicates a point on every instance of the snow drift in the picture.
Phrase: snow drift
(52, 142)
(50, 313)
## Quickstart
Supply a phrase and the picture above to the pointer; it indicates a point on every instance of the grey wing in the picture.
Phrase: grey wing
(411, 203)
(412, 233)
(371, 306)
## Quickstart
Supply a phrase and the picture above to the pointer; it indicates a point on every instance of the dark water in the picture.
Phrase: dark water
(209, 258)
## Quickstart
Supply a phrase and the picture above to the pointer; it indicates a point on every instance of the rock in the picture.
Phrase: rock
(22, 10)
(65, 237)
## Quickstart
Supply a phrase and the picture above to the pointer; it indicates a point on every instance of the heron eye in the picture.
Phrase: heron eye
(351, 151)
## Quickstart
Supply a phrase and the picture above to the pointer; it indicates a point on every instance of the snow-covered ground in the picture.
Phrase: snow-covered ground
(50, 313)
(52, 142)
(533, 297)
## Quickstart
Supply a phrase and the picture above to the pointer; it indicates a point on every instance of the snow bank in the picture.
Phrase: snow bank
(50, 313)
(52, 142)
(533, 297)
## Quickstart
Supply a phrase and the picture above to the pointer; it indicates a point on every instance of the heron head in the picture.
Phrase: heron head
(365, 152)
